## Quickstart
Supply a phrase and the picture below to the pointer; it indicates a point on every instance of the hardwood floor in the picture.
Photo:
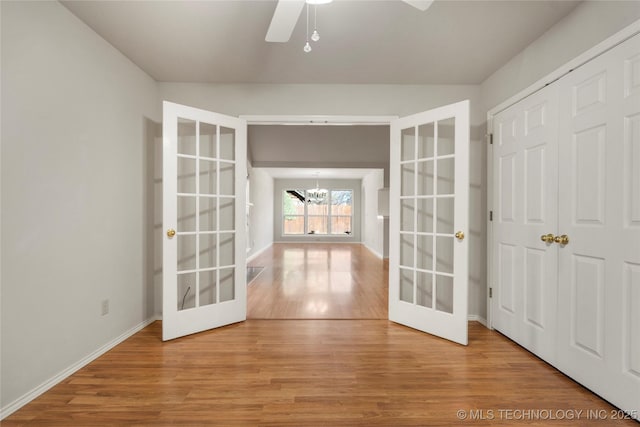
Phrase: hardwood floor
(315, 373)
(318, 281)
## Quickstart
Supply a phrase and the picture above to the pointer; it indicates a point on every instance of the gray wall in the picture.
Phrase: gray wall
(76, 117)
(319, 146)
(372, 226)
(74, 170)
(337, 184)
(588, 24)
(312, 99)
(261, 213)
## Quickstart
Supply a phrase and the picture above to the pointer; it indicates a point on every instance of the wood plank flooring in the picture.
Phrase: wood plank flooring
(318, 281)
(313, 373)
(316, 372)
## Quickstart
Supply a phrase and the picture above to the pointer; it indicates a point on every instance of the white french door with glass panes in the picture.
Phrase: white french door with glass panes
(428, 221)
(204, 257)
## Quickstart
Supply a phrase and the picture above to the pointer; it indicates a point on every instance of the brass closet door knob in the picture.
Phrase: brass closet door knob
(171, 232)
(562, 240)
(547, 238)
(460, 235)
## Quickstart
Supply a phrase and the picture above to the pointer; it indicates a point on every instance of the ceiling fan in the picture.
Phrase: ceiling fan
(287, 13)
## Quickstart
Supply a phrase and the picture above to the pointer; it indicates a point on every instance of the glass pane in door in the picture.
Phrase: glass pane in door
(408, 144)
(207, 287)
(227, 289)
(186, 291)
(426, 141)
(208, 140)
(206, 212)
(427, 187)
(227, 144)
(186, 137)
(446, 137)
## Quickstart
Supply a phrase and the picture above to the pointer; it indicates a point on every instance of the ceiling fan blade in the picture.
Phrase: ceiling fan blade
(420, 4)
(284, 20)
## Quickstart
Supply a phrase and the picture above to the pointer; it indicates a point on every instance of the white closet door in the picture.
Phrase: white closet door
(526, 188)
(599, 211)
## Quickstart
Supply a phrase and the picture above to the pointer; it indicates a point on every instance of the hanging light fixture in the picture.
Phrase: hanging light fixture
(317, 195)
(307, 46)
(315, 36)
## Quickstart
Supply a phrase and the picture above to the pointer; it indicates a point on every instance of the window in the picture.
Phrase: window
(341, 211)
(293, 211)
(333, 216)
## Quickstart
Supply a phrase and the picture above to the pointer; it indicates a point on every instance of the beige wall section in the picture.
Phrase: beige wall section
(587, 25)
(74, 128)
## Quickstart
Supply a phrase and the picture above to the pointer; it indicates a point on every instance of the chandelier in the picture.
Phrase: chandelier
(317, 195)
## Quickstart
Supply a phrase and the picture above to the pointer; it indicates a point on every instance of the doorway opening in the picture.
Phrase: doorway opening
(321, 259)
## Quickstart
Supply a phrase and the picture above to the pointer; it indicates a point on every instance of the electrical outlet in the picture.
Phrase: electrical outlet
(105, 307)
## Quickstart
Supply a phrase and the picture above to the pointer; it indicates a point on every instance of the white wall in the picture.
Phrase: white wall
(372, 226)
(587, 25)
(75, 113)
(338, 184)
(261, 213)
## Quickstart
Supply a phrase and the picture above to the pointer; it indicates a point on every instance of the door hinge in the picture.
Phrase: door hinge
(490, 215)
(490, 292)
(490, 138)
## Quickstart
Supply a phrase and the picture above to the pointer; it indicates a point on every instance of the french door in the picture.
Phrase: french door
(429, 215)
(204, 257)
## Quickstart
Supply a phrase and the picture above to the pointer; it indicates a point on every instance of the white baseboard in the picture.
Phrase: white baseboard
(255, 255)
(476, 318)
(370, 249)
(37, 391)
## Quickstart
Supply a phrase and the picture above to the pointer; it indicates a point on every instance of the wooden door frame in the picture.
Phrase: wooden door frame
(600, 48)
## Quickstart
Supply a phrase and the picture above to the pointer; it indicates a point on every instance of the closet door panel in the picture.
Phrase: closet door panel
(599, 106)
(525, 155)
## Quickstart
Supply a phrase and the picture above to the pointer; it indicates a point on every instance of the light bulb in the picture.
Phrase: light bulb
(307, 48)
(315, 36)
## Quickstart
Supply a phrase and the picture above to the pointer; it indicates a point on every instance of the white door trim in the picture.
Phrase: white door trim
(317, 120)
(600, 48)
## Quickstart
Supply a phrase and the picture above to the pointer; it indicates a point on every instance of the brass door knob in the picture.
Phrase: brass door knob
(547, 238)
(562, 240)
(171, 232)
(460, 235)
